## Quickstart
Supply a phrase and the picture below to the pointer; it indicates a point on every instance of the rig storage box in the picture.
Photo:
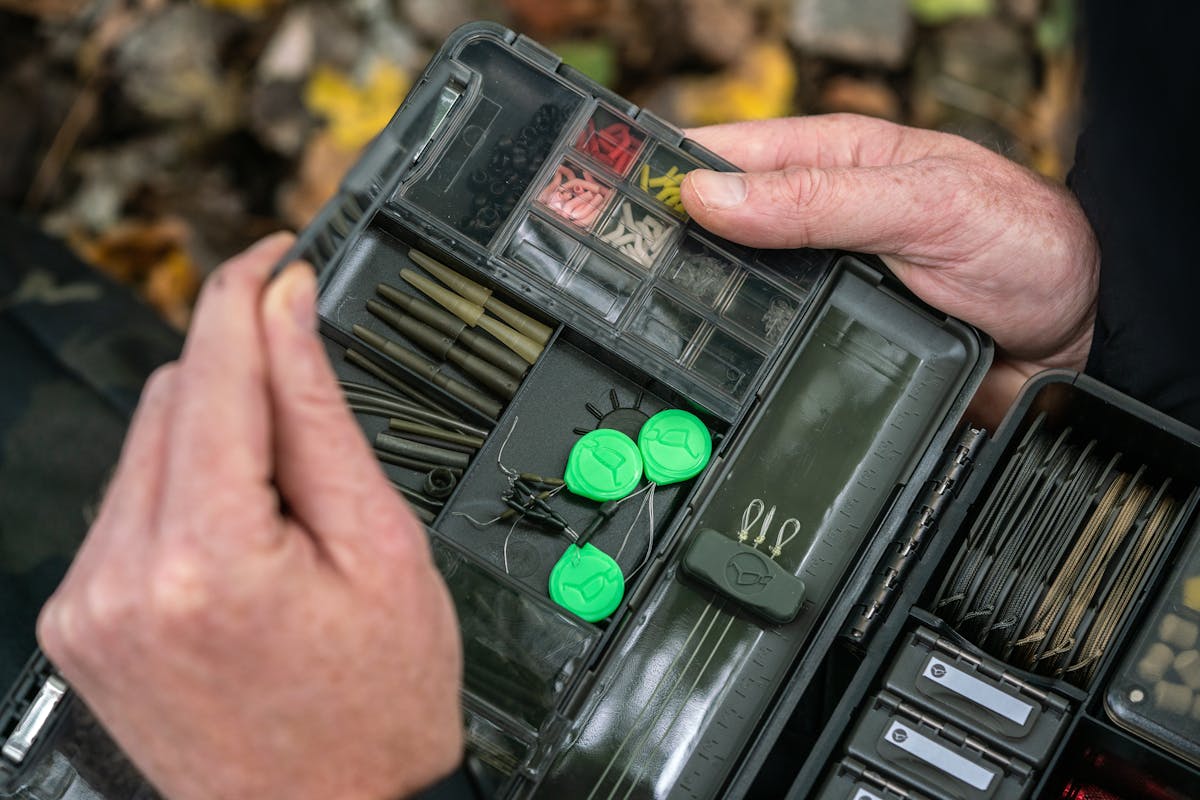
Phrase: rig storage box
(714, 519)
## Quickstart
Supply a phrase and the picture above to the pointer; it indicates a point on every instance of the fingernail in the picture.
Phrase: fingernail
(718, 190)
(302, 295)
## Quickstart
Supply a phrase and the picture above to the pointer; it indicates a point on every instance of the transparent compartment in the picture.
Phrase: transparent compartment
(761, 307)
(727, 363)
(575, 194)
(601, 284)
(665, 324)
(513, 124)
(700, 272)
(611, 140)
(685, 684)
(1156, 690)
(543, 249)
(661, 174)
(638, 233)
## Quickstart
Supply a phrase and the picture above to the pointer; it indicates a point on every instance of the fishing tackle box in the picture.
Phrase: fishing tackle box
(832, 398)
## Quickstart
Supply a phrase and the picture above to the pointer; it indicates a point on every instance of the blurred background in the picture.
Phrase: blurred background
(159, 137)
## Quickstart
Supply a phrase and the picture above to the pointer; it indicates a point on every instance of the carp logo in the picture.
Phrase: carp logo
(748, 573)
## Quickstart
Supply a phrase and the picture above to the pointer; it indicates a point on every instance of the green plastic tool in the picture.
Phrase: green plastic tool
(675, 446)
(587, 582)
(604, 464)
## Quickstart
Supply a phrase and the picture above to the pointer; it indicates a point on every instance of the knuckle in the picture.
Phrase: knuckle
(59, 632)
(50, 633)
(110, 606)
(800, 189)
(180, 591)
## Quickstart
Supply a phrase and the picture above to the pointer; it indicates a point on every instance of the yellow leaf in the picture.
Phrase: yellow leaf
(760, 86)
(355, 112)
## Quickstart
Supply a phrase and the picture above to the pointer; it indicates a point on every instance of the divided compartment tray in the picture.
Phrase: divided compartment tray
(682, 687)
(1155, 692)
(537, 179)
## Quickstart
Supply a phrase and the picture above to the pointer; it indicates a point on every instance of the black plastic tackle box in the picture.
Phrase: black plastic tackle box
(714, 518)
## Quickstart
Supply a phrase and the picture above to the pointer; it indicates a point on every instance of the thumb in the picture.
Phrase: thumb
(324, 468)
(869, 209)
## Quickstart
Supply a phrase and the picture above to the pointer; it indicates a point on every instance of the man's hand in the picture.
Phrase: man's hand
(967, 230)
(255, 613)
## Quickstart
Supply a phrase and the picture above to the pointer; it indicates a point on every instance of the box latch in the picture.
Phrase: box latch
(35, 719)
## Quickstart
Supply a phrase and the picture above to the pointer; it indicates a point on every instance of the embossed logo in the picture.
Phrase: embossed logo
(748, 573)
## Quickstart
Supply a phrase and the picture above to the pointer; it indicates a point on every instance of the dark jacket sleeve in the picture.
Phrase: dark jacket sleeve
(1137, 175)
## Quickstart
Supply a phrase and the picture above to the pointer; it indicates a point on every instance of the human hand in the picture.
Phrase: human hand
(255, 613)
(967, 230)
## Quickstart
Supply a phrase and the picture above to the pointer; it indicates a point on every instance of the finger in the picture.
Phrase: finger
(876, 210)
(829, 140)
(325, 470)
(220, 440)
(130, 507)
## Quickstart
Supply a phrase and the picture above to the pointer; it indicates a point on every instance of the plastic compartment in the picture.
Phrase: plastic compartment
(575, 194)
(854, 780)
(508, 666)
(601, 284)
(499, 144)
(683, 687)
(660, 175)
(1156, 691)
(938, 758)
(727, 363)
(611, 140)
(1100, 762)
(761, 308)
(665, 324)
(700, 272)
(637, 233)
(568, 394)
(1121, 426)
(979, 695)
(543, 249)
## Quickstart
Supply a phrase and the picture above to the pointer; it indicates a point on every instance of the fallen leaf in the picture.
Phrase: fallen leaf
(761, 85)
(152, 257)
(355, 111)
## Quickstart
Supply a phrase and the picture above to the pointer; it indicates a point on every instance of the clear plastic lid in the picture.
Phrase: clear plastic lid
(1156, 692)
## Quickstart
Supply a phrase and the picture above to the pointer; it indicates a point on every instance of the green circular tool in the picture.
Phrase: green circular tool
(675, 446)
(604, 464)
(587, 582)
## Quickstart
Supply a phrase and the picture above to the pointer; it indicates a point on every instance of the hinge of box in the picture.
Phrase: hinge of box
(659, 127)
(863, 774)
(919, 526)
(952, 734)
(990, 669)
(541, 54)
